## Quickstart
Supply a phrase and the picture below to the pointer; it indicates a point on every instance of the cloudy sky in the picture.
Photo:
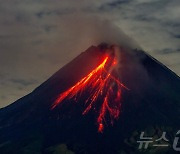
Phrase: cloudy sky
(37, 37)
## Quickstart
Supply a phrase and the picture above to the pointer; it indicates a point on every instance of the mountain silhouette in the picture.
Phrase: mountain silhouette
(150, 104)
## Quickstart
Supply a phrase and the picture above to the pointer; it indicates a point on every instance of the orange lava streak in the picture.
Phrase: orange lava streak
(102, 86)
(77, 87)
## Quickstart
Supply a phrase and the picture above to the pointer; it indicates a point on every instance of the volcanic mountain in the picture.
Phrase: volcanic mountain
(100, 103)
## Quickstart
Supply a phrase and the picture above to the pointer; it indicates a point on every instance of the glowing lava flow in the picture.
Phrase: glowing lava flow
(104, 92)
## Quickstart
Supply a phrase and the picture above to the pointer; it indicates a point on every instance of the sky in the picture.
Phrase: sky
(38, 37)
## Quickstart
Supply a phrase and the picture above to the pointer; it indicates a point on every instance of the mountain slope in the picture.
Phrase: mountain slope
(152, 104)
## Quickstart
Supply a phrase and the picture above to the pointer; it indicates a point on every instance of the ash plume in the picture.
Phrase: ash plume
(92, 30)
(84, 31)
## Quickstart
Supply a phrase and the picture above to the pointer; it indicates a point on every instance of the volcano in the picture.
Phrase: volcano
(100, 102)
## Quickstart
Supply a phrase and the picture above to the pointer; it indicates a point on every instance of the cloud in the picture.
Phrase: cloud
(168, 51)
(36, 38)
(23, 82)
